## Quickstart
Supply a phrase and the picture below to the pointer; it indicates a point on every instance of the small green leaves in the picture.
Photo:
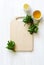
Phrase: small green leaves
(33, 29)
(11, 45)
(28, 19)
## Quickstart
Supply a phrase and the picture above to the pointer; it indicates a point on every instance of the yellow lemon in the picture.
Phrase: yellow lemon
(26, 6)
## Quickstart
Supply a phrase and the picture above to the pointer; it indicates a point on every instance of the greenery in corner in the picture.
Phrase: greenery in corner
(11, 45)
(33, 28)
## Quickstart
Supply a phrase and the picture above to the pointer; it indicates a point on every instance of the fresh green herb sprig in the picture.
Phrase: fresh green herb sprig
(28, 19)
(11, 45)
(33, 29)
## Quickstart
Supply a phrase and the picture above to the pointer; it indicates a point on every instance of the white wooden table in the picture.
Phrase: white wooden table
(8, 10)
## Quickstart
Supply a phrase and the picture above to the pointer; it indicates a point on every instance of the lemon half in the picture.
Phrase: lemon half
(26, 6)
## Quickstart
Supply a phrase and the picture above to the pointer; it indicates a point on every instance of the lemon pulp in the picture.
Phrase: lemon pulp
(26, 6)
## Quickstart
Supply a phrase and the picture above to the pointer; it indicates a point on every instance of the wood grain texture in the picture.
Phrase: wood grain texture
(19, 34)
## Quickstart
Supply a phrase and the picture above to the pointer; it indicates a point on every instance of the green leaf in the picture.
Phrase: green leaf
(11, 45)
(33, 28)
(28, 19)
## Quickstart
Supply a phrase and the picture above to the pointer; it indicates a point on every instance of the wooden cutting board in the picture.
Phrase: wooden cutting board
(19, 34)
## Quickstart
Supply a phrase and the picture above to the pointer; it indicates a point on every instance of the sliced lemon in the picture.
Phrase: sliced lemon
(26, 6)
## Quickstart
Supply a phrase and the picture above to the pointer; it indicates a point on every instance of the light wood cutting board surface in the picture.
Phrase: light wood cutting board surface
(19, 34)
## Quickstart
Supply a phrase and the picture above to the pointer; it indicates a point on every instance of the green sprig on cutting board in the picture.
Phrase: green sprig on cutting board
(11, 45)
(28, 19)
(33, 29)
